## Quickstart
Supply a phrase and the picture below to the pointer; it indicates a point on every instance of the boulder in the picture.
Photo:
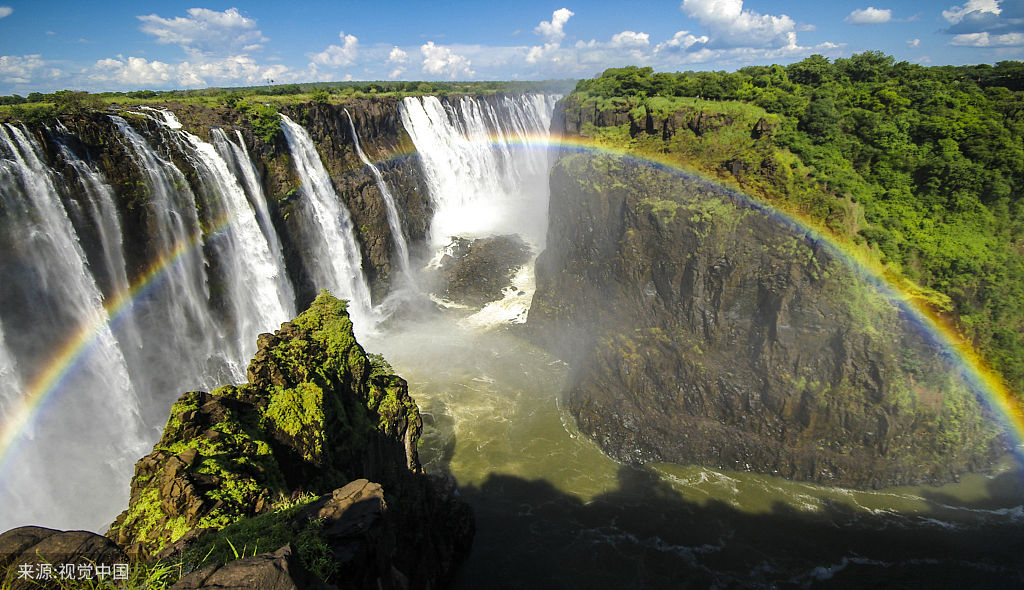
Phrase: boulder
(36, 557)
(476, 272)
(280, 570)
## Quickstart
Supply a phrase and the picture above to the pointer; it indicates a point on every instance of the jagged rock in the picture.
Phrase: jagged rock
(704, 331)
(280, 570)
(706, 122)
(34, 546)
(315, 413)
(477, 271)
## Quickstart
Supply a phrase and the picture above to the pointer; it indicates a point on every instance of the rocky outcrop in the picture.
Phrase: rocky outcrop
(476, 272)
(316, 414)
(704, 329)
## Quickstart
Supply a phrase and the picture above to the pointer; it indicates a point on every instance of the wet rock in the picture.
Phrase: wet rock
(476, 272)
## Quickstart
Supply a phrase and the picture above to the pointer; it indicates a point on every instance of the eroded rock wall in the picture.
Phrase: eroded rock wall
(706, 330)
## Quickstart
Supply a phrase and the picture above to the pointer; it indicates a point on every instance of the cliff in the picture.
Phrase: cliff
(93, 138)
(703, 330)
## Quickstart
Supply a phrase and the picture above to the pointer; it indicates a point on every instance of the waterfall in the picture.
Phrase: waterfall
(337, 264)
(394, 222)
(187, 338)
(237, 155)
(257, 291)
(52, 303)
(486, 168)
(103, 215)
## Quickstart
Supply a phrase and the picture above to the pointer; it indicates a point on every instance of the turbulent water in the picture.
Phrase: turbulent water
(554, 512)
(54, 298)
(110, 349)
(485, 164)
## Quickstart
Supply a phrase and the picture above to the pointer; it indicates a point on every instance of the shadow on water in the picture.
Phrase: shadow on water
(646, 535)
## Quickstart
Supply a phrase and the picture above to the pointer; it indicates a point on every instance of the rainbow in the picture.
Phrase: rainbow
(987, 384)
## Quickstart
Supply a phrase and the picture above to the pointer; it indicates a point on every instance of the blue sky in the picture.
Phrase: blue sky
(121, 45)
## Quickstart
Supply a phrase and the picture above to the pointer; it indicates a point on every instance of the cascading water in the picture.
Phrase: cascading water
(237, 156)
(257, 292)
(337, 264)
(103, 216)
(185, 336)
(487, 171)
(394, 221)
(481, 180)
(45, 266)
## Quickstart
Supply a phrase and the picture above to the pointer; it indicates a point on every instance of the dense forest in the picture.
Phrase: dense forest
(931, 157)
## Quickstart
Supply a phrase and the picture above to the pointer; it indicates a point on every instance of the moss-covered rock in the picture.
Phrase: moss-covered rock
(317, 412)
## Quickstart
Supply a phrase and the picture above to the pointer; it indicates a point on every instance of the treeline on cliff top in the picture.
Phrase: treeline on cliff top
(289, 91)
(932, 155)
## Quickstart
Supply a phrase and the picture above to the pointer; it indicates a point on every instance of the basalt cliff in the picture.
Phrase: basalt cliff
(705, 329)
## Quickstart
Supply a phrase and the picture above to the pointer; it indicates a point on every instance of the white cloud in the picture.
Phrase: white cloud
(5, 11)
(396, 73)
(681, 41)
(552, 31)
(955, 14)
(338, 55)
(914, 42)
(630, 39)
(438, 59)
(729, 26)
(804, 28)
(26, 69)
(984, 39)
(135, 72)
(869, 16)
(397, 56)
(205, 32)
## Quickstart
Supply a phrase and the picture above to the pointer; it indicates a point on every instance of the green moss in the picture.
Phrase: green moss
(299, 411)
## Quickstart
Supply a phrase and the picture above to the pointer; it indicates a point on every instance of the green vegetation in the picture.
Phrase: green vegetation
(41, 108)
(920, 168)
(262, 533)
(313, 406)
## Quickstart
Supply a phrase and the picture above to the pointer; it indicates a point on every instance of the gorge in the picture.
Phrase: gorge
(149, 247)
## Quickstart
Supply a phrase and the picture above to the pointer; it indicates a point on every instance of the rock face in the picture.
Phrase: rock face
(315, 414)
(704, 331)
(477, 271)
